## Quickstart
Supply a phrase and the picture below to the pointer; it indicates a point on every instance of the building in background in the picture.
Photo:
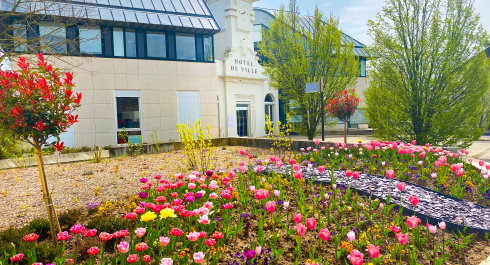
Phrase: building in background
(244, 95)
(263, 18)
(141, 65)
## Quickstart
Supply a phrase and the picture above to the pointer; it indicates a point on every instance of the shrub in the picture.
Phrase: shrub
(108, 224)
(39, 226)
(70, 217)
(9, 146)
(45, 253)
(198, 151)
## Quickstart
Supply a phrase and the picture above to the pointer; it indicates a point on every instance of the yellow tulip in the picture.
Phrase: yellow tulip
(148, 216)
(167, 212)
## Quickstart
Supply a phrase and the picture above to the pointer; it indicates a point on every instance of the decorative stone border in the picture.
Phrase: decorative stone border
(433, 207)
(49, 160)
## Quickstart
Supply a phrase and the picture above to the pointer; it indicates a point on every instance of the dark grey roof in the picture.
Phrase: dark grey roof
(264, 17)
(190, 14)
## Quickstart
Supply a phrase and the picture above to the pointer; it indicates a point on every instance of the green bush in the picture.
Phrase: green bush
(40, 226)
(9, 146)
(108, 224)
(45, 253)
(69, 218)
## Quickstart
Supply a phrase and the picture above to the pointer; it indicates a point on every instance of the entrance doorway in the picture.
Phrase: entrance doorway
(242, 120)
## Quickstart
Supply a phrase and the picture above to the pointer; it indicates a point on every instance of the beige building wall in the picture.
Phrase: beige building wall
(98, 79)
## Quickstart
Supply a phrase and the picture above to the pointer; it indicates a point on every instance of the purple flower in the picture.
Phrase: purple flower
(209, 173)
(198, 196)
(143, 180)
(143, 195)
(190, 198)
(249, 254)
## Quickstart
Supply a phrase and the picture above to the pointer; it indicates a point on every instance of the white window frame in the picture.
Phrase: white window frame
(128, 94)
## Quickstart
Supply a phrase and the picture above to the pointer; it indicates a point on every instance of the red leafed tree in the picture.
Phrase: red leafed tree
(342, 106)
(36, 103)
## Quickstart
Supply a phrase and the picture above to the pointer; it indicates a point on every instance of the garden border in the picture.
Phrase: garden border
(450, 226)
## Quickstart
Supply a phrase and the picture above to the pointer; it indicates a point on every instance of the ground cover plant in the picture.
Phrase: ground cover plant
(249, 217)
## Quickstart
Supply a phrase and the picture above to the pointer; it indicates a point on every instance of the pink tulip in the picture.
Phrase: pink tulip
(243, 152)
(432, 229)
(414, 200)
(270, 206)
(296, 167)
(437, 163)
(164, 240)
(355, 175)
(413, 221)
(193, 236)
(422, 155)
(166, 261)
(300, 229)
(198, 257)
(139, 232)
(311, 223)
(316, 141)
(298, 218)
(402, 238)
(123, 247)
(298, 175)
(321, 169)
(373, 251)
(277, 193)
(442, 225)
(390, 174)
(351, 236)
(324, 234)
(258, 250)
(356, 257)
(401, 186)
(348, 173)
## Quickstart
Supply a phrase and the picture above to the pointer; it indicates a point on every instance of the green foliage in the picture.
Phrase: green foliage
(430, 79)
(156, 141)
(108, 224)
(280, 139)
(197, 149)
(133, 149)
(69, 218)
(39, 225)
(97, 156)
(9, 146)
(294, 58)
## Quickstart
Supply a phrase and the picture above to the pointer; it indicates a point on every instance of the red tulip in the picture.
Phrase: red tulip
(414, 200)
(298, 218)
(348, 173)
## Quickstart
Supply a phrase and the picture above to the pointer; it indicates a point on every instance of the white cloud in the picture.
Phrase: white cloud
(353, 19)
(327, 4)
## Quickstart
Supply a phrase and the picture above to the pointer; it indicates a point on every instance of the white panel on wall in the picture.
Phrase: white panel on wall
(68, 137)
(189, 106)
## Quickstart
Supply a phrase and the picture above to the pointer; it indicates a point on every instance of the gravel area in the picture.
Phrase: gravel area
(430, 203)
(74, 185)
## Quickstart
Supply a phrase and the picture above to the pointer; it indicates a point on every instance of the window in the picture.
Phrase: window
(20, 37)
(186, 46)
(128, 116)
(53, 37)
(130, 42)
(155, 43)
(118, 36)
(90, 40)
(189, 106)
(257, 33)
(269, 109)
(362, 66)
(208, 48)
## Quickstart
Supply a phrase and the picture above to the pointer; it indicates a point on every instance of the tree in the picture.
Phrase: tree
(430, 77)
(295, 56)
(36, 103)
(343, 106)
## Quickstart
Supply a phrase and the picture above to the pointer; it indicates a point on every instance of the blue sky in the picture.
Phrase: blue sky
(354, 14)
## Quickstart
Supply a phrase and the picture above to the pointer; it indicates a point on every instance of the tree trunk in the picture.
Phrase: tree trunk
(52, 217)
(345, 130)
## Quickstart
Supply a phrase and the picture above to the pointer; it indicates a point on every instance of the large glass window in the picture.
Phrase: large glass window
(269, 109)
(130, 43)
(257, 33)
(155, 43)
(362, 66)
(20, 37)
(118, 36)
(90, 40)
(53, 37)
(186, 46)
(128, 116)
(208, 48)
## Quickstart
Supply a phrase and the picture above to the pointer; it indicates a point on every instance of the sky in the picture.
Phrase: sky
(354, 14)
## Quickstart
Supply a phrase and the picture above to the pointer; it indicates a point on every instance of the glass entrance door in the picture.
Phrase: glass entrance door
(242, 119)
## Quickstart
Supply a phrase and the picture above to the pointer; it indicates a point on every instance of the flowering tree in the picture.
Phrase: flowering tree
(36, 103)
(342, 106)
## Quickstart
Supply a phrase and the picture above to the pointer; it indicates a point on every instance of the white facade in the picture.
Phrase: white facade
(242, 87)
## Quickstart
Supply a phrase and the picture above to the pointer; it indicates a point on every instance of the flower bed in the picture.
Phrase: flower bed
(254, 218)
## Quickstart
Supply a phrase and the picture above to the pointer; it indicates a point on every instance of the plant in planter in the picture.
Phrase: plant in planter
(36, 103)
(343, 106)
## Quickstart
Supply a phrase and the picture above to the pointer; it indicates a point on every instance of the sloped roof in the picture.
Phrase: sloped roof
(190, 14)
(306, 23)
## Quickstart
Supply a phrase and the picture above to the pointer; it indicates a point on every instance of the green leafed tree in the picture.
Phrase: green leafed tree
(296, 57)
(430, 78)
